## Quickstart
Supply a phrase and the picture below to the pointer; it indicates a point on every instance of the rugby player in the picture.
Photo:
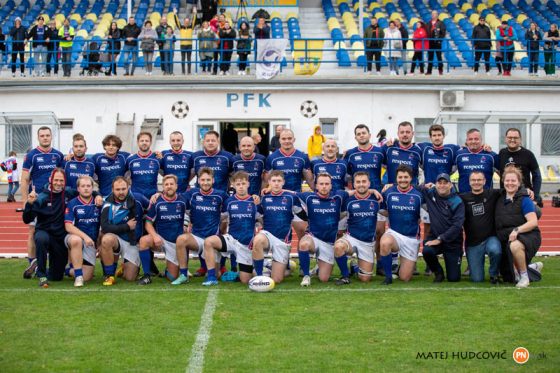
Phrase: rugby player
(211, 156)
(78, 164)
(331, 164)
(177, 161)
(251, 163)
(110, 164)
(143, 167)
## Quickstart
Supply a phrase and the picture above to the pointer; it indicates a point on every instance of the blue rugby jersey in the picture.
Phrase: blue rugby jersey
(84, 215)
(337, 168)
(168, 217)
(396, 155)
(404, 210)
(437, 160)
(292, 165)
(205, 209)
(278, 211)
(362, 217)
(40, 165)
(324, 213)
(178, 164)
(107, 168)
(144, 171)
(254, 166)
(370, 160)
(75, 168)
(220, 162)
(468, 161)
(242, 214)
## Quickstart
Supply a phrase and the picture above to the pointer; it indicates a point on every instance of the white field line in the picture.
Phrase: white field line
(196, 361)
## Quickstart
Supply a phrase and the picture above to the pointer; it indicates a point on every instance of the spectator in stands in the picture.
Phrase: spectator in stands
(39, 35)
(10, 166)
(186, 35)
(19, 37)
(168, 51)
(52, 48)
(148, 38)
(227, 41)
(130, 32)
(209, 9)
(505, 36)
(2, 49)
(275, 140)
(551, 37)
(206, 38)
(257, 139)
(499, 59)
(161, 31)
(374, 36)
(381, 137)
(517, 228)
(114, 44)
(315, 144)
(191, 8)
(436, 33)
(66, 36)
(262, 30)
(263, 145)
(421, 44)
(243, 46)
(482, 43)
(404, 36)
(218, 55)
(533, 39)
(393, 47)
(516, 155)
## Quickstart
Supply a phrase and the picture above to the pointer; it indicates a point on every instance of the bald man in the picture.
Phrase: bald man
(331, 164)
(251, 162)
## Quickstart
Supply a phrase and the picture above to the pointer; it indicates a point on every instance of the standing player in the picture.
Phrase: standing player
(143, 167)
(296, 167)
(362, 209)
(78, 165)
(213, 157)
(403, 152)
(121, 224)
(164, 228)
(251, 163)
(204, 208)
(402, 203)
(278, 209)
(110, 164)
(81, 221)
(329, 163)
(474, 157)
(177, 161)
(37, 167)
(242, 213)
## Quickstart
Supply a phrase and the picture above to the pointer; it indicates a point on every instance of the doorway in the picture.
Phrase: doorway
(232, 132)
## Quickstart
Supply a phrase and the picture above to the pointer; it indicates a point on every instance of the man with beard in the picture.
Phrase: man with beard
(177, 161)
(143, 167)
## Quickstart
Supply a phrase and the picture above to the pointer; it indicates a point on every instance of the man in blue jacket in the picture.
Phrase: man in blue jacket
(447, 214)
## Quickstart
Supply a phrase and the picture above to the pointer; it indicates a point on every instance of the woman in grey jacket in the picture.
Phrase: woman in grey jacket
(206, 38)
(148, 37)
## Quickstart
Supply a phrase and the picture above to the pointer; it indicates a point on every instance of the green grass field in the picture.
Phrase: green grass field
(358, 328)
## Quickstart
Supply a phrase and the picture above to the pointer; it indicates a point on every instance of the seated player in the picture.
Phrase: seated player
(81, 221)
(121, 225)
(204, 209)
(278, 209)
(164, 228)
(402, 203)
(241, 210)
(362, 209)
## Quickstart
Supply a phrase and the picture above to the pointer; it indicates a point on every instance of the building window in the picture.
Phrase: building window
(465, 124)
(550, 140)
(421, 129)
(520, 124)
(66, 124)
(328, 126)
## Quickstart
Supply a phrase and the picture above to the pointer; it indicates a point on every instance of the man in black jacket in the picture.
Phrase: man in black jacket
(209, 9)
(52, 48)
(373, 36)
(39, 35)
(404, 36)
(436, 34)
(130, 33)
(161, 30)
(19, 41)
(482, 43)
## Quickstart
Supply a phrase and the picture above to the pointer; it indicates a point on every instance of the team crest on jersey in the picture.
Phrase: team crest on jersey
(372, 205)
(218, 161)
(163, 208)
(178, 208)
(411, 156)
(249, 207)
(184, 158)
(375, 158)
(296, 163)
(53, 159)
(152, 164)
(284, 200)
(338, 169)
(88, 167)
(214, 201)
(483, 159)
(333, 202)
(445, 152)
(411, 200)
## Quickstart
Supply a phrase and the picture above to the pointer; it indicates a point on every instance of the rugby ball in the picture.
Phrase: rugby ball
(261, 284)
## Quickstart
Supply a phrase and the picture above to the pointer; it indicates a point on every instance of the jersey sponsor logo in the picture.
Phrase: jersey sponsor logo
(177, 166)
(364, 214)
(437, 160)
(234, 207)
(199, 198)
(395, 153)
(402, 208)
(202, 161)
(276, 208)
(325, 211)
(322, 169)
(169, 158)
(401, 161)
(315, 202)
(268, 199)
(47, 167)
(473, 167)
(205, 208)
(171, 217)
(89, 221)
(242, 216)
(104, 160)
(80, 211)
(358, 158)
(143, 172)
(356, 206)
(135, 164)
(241, 166)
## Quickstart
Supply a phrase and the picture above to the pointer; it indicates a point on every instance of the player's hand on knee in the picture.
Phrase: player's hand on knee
(131, 224)
(89, 242)
(158, 241)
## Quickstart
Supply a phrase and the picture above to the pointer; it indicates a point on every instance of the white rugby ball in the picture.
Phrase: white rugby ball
(261, 284)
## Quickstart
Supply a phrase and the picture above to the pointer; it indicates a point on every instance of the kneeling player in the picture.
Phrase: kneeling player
(164, 225)
(278, 209)
(402, 204)
(81, 221)
(362, 210)
(242, 212)
(121, 224)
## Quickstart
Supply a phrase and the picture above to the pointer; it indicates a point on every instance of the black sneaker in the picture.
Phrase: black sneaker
(494, 280)
(30, 270)
(439, 277)
(380, 272)
(145, 280)
(428, 272)
(387, 281)
(342, 281)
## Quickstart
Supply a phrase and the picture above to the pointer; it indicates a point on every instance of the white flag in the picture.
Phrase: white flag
(270, 54)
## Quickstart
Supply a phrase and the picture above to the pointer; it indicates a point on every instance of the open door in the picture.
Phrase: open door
(199, 129)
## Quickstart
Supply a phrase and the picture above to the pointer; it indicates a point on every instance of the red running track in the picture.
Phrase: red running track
(13, 233)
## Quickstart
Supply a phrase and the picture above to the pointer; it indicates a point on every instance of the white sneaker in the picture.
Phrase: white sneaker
(79, 282)
(537, 266)
(411, 74)
(488, 73)
(314, 271)
(475, 73)
(378, 72)
(306, 281)
(523, 282)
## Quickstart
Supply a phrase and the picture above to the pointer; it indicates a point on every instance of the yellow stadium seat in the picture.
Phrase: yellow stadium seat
(82, 33)
(457, 17)
(396, 15)
(339, 45)
(465, 7)
(291, 15)
(121, 23)
(474, 18)
(380, 15)
(356, 7)
(347, 16)
(447, 2)
(107, 16)
(275, 14)
(518, 56)
(412, 22)
(333, 23)
(551, 174)
(76, 17)
(521, 18)
(443, 16)
(338, 2)
(92, 17)
(455, 177)
(385, 2)
(491, 3)
(495, 24)
(311, 64)
(506, 17)
(480, 7)
(59, 18)
(46, 17)
(99, 33)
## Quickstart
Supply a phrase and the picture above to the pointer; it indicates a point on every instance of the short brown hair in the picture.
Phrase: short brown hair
(44, 128)
(360, 173)
(405, 124)
(513, 170)
(240, 175)
(120, 178)
(212, 132)
(112, 138)
(406, 169)
(323, 174)
(170, 176)
(205, 170)
(436, 128)
(277, 173)
(144, 133)
(78, 137)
